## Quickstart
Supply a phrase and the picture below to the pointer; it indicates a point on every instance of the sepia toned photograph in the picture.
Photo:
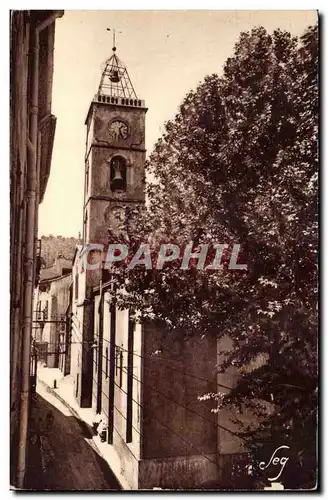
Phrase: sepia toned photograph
(164, 237)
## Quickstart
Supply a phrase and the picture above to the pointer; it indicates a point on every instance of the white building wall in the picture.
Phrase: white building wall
(77, 322)
(128, 453)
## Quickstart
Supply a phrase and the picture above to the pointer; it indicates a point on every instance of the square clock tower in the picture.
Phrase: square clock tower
(115, 153)
(114, 183)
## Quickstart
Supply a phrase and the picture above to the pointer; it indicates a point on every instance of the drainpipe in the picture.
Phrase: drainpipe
(32, 174)
(17, 284)
(36, 222)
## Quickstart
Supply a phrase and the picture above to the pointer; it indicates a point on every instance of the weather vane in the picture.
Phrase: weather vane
(114, 36)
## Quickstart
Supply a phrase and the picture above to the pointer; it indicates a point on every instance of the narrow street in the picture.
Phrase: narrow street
(61, 451)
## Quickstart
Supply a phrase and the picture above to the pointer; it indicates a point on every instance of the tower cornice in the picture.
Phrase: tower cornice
(114, 148)
(114, 199)
(118, 103)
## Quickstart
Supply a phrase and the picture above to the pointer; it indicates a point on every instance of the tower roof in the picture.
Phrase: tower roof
(115, 80)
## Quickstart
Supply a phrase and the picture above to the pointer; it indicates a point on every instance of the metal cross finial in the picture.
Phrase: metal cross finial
(114, 36)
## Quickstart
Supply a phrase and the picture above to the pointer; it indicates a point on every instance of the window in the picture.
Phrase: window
(129, 396)
(117, 353)
(62, 325)
(76, 286)
(119, 365)
(45, 311)
(38, 311)
(85, 226)
(118, 174)
(87, 183)
(112, 350)
(121, 368)
(106, 361)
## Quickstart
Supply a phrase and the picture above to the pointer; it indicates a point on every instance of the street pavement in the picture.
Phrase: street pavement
(61, 453)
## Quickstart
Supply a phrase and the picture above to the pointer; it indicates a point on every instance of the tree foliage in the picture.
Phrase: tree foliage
(239, 164)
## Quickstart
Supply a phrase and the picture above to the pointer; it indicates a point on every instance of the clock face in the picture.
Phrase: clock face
(115, 219)
(118, 130)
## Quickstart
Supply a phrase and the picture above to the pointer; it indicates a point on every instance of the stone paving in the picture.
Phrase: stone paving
(64, 391)
(61, 453)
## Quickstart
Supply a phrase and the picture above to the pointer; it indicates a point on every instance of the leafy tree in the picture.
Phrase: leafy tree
(239, 164)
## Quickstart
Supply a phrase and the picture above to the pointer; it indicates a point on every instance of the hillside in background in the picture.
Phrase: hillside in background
(53, 246)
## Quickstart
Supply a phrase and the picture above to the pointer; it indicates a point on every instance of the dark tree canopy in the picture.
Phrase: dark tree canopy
(239, 164)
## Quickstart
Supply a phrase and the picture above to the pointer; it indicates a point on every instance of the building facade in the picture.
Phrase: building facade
(52, 299)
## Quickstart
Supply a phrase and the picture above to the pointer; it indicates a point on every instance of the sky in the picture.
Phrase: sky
(167, 53)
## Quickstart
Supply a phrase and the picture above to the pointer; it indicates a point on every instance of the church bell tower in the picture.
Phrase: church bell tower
(115, 153)
(114, 183)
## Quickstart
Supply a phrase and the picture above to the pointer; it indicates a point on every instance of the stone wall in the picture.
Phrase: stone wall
(52, 246)
(178, 430)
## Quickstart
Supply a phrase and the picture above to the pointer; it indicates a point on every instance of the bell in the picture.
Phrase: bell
(114, 76)
(117, 183)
